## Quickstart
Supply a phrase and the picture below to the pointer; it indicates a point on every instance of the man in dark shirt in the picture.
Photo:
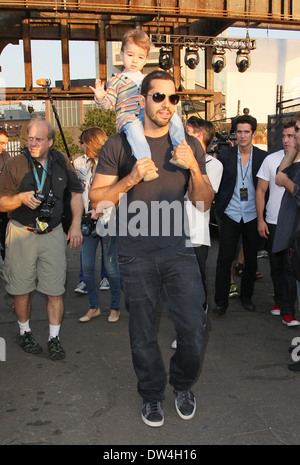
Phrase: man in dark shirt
(4, 156)
(32, 188)
(288, 176)
(151, 246)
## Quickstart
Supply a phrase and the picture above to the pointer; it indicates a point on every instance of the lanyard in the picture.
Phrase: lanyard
(40, 183)
(244, 177)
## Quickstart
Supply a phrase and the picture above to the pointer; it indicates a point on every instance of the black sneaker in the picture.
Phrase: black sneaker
(55, 349)
(29, 344)
(185, 404)
(152, 414)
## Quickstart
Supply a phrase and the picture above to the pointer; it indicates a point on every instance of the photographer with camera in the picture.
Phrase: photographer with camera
(32, 188)
(4, 156)
(222, 141)
(92, 140)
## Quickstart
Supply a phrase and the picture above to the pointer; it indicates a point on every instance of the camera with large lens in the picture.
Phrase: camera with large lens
(221, 142)
(88, 225)
(48, 201)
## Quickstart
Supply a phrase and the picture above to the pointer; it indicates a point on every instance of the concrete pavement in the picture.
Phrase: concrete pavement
(245, 393)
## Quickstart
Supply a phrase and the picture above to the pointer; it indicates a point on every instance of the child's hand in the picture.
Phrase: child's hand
(98, 90)
(94, 214)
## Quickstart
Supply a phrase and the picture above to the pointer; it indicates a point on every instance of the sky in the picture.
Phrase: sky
(46, 63)
(46, 58)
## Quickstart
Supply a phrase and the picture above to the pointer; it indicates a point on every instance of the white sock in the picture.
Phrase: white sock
(24, 327)
(53, 331)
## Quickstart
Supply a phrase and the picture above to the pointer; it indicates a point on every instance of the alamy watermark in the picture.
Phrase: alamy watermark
(154, 218)
(296, 349)
(2, 350)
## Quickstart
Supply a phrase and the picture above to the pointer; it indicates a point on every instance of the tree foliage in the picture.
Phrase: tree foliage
(104, 119)
(60, 146)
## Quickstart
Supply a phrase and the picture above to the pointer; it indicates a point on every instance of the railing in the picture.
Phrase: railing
(262, 10)
(13, 147)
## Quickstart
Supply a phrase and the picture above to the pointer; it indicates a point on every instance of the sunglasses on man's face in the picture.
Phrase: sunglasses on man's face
(157, 97)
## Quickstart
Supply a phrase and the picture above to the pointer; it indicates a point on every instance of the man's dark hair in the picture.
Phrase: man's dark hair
(206, 127)
(245, 119)
(289, 124)
(158, 74)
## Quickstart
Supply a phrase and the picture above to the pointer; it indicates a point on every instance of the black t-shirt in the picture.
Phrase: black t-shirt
(150, 219)
(17, 176)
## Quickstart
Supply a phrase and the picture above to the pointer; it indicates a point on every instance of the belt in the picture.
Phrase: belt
(37, 231)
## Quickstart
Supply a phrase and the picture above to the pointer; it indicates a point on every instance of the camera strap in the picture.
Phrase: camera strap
(244, 177)
(47, 170)
(41, 226)
(40, 182)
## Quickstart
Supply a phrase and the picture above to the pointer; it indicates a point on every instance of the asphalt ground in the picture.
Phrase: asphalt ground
(245, 393)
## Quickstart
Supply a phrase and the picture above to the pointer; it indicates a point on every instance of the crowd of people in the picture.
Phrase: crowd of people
(127, 180)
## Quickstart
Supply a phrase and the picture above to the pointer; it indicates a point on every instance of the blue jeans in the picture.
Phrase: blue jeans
(103, 270)
(143, 280)
(134, 131)
(89, 247)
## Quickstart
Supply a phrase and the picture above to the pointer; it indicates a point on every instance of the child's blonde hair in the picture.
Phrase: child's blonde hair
(137, 37)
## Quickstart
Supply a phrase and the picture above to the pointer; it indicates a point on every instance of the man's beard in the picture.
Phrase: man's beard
(156, 119)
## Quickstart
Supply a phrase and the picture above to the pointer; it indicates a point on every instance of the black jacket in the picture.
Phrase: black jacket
(228, 158)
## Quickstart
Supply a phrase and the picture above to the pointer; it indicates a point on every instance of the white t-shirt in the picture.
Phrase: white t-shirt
(135, 76)
(198, 221)
(82, 166)
(267, 172)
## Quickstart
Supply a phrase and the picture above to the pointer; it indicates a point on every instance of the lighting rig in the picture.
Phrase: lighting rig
(218, 60)
(193, 44)
(166, 58)
(191, 58)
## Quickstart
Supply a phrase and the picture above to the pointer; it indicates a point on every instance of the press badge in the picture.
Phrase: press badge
(243, 194)
(41, 225)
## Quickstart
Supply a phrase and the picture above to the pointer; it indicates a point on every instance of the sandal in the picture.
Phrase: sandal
(239, 269)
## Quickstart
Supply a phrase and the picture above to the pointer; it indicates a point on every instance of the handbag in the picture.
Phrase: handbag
(294, 249)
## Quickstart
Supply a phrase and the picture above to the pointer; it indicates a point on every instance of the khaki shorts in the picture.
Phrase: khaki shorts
(34, 261)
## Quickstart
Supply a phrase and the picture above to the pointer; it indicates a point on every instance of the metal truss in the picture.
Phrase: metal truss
(202, 42)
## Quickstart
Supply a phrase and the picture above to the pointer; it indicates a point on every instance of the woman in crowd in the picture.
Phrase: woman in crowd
(92, 140)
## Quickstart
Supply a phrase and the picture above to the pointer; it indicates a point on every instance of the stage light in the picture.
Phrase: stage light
(191, 58)
(166, 58)
(218, 60)
(243, 60)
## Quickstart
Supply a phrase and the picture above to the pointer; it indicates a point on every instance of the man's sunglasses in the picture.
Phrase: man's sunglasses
(157, 97)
